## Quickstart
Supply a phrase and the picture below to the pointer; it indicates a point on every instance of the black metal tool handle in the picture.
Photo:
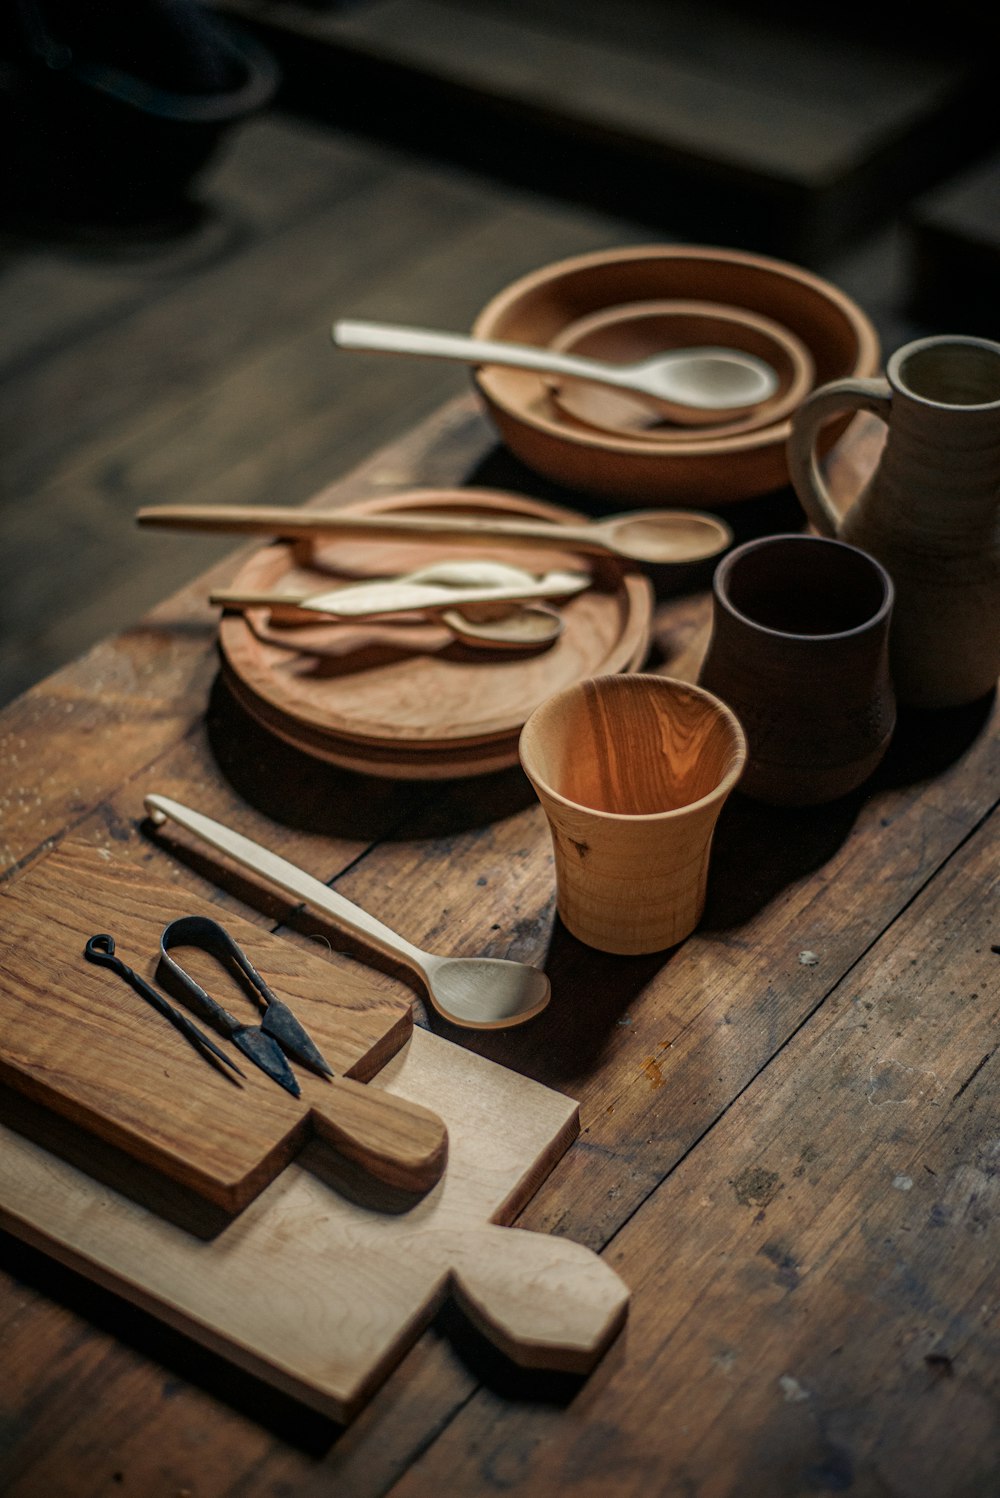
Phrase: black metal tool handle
(279, 1028)
(100, 949)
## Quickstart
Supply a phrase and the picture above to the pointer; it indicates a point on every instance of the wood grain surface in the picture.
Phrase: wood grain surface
(320, 1295)
(79, 1040)
(706, 1078)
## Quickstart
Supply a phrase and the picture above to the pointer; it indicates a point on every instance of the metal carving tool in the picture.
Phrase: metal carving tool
(279, 1032)
(101, 949)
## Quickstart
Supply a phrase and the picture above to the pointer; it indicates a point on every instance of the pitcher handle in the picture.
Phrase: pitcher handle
(828, 401)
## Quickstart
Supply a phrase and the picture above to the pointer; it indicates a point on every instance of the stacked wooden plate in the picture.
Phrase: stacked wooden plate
(404, 699)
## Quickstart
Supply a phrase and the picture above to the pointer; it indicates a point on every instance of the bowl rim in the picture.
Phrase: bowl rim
(867, 359)
(644, 681)
(799, 378)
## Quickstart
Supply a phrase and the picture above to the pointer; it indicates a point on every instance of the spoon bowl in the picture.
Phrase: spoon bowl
(634, 330)
(477, 993)
(529, 627)
(690, 385)
(485, 993)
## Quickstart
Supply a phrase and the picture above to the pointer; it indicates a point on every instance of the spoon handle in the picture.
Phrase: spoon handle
(278, 521)
(386, 338)
(286, 876)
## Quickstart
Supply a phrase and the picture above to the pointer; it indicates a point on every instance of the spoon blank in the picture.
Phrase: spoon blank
(402, 596)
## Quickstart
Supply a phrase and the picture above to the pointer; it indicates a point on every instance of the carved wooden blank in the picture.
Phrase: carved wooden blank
(322, 1296)
(80, 1041)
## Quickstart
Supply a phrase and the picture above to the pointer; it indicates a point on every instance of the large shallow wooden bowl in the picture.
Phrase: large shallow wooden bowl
(705, 470)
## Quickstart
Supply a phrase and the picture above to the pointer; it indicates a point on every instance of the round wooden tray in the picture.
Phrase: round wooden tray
(411, 690)
(394, 764)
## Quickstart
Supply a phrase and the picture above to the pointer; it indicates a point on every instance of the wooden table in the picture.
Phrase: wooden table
(790, 1148)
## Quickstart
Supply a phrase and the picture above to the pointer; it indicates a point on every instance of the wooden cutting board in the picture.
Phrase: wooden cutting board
(316, 1290)
(78, 1040)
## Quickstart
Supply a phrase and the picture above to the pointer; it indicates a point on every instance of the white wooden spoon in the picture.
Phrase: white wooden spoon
(478, 993)
(688, 385)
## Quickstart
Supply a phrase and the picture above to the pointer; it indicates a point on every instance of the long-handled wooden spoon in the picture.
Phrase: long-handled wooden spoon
(479, 993)
(688, 385)
(654, 536)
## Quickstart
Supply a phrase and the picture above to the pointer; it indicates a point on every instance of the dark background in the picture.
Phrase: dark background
(187, 207)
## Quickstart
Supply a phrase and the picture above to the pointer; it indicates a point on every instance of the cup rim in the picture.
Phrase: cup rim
(722, 710)
(894, 370)
(721, 576)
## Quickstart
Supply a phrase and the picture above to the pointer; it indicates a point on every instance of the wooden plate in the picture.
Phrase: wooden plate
(374, 759)
(394, 764)
(410, 689)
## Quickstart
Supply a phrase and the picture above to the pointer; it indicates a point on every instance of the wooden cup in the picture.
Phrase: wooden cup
(632, 772)
(799, 650)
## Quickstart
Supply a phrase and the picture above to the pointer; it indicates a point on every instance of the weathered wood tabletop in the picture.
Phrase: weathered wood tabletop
(789, 1150)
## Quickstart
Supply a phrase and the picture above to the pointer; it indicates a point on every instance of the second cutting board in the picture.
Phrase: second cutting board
(79, 1041)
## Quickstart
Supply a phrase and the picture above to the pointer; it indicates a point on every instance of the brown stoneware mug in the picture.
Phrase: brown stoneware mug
(632, 772)
(799, 650)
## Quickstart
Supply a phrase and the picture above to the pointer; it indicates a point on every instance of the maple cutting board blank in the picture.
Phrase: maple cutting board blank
(320, 1294)
(77, 1039)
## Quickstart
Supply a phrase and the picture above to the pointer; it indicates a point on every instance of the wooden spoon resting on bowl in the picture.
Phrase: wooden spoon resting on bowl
(690, 386)
(672, 537)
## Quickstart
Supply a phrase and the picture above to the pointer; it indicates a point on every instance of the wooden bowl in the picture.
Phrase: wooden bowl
(624, 335)
(704, 470)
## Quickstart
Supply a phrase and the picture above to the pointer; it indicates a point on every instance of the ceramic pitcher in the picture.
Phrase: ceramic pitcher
(929, 513)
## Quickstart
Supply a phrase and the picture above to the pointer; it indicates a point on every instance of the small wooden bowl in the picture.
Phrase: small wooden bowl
(702, 471)
(624, 335)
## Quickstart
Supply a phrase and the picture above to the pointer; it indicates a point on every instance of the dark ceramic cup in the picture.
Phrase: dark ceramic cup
(799, 651)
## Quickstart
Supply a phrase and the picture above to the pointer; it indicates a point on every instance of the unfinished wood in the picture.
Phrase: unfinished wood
(815, 1288)
(269, 172)
(79, 1041)
(320, 1295)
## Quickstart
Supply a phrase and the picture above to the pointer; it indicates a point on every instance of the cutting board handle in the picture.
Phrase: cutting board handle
(544, 1302)
(396, 1141)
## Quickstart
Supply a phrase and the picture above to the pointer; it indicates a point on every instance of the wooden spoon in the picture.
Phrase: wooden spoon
(478, 993)
(523, 627)
(654, 536)
(688, 385)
